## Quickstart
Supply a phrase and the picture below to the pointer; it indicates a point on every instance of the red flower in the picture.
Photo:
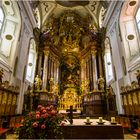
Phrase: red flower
(53, 112)
(42, 108)
(43, 126)
(30, 114)
(44, 111)
(39, 106)
(37, 112)
(35, 124)
(37, 116)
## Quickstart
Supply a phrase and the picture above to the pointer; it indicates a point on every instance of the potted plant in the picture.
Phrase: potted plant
(41, 124)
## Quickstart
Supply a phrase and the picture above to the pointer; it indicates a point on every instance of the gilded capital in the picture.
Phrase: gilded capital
(46, 52)
(94, 52)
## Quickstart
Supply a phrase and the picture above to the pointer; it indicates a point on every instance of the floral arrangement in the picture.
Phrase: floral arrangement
(41, 124)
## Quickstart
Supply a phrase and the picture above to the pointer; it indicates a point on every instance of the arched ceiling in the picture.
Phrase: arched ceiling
(95, 8)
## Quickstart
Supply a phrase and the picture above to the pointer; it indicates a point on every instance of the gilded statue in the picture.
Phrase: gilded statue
(138, 76)
(101, 83)
(51, 82)
(85, 86)
(38, 83)
(1, 75)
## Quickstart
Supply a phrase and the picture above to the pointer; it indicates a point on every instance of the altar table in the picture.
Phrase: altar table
(94, 131)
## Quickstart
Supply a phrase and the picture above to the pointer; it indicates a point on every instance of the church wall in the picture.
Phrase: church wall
(116, 48)
(22, 55)
(124, 72)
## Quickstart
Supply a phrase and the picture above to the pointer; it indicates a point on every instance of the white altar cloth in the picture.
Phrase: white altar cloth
(82, 122)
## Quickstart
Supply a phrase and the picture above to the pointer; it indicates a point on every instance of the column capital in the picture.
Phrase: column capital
(46, 52)
(94, 52)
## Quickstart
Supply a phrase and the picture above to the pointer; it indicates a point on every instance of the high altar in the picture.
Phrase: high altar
(70, 65)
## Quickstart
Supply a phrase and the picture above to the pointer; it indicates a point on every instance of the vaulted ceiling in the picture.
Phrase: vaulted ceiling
(95, 8)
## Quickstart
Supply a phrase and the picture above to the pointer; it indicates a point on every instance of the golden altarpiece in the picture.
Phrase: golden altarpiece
(70, 64)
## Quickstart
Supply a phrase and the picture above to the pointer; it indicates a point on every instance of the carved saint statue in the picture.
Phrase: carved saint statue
(101, 83)
(51, 84)
(38, 83)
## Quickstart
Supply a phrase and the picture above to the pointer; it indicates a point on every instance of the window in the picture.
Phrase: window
(138, 18)
(129, 20)
(10, 23)
(31, 61)
(1, 17)
(108, 61)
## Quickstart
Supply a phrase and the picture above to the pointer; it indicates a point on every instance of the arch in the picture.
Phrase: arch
(129, 30)
(9, 32)
(31, 61)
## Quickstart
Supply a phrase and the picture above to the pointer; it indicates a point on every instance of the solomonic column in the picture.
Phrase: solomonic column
(93, 53)
(45, 69)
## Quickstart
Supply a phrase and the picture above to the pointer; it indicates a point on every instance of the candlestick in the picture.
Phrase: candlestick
(112, 119)
(88, 119)
(100, 119)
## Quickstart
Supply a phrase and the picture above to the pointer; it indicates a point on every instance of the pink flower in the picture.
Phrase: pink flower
(47, 108)
(39, 106)
(42, 108)
(43, 126)
(37, 112)
(44, 115)
(35, 124)
(44, 111)
(30, 114)
(37, 116)
(53, 112)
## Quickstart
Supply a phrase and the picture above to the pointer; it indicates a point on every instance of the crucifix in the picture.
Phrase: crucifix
(70, 114)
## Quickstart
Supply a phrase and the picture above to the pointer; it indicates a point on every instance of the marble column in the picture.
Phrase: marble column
(93, 53)
(57, 72)
(39, 69)
(83, 70)
(45, 69)
(100, 64)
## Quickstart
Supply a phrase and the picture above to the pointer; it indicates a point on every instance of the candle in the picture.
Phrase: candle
(88, 119)
(100, 119)
(113, 119)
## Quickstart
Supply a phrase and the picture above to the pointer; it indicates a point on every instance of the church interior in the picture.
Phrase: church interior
(80, 56)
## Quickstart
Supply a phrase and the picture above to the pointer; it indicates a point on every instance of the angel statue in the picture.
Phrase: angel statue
(38, 83)
(101, 83)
